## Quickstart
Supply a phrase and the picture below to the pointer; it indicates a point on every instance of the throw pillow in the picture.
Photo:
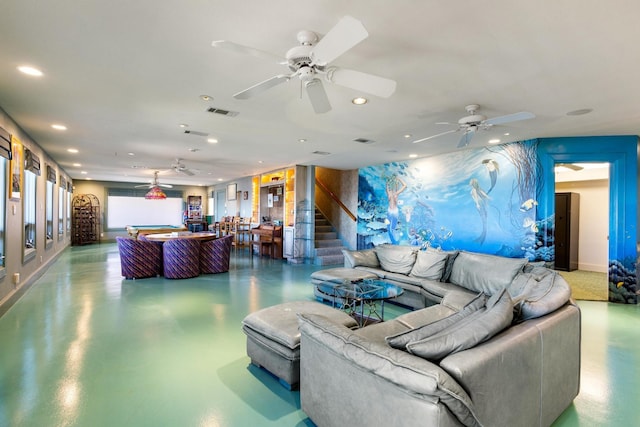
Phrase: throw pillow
(471, 331)
(485, 273)
(364, 258)
(401, 340)
(429, 265)
(396, 259)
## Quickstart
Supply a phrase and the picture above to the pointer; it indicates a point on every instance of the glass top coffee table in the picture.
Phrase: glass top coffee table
(359, 298)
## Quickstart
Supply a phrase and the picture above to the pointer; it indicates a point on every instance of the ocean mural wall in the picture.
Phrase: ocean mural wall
(498, 200)
(479, 200)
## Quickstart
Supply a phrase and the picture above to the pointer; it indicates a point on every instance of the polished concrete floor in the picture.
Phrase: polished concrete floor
(83, 347)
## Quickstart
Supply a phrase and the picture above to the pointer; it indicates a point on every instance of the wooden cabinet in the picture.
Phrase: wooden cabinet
(566, 231)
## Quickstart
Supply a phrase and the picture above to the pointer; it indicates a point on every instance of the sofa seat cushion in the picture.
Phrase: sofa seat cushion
(472, 330)
(485, 273)
(429, 265)
(441, 289)
(435, 325)
(396, 259)
(538, 292)
(340, 274)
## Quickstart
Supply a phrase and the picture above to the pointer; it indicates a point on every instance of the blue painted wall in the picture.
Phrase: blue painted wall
(498, 200)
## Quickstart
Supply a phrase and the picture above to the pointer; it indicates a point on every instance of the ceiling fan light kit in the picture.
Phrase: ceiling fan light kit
(311, 59)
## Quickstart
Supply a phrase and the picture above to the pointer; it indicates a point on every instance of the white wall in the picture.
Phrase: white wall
(593, 247)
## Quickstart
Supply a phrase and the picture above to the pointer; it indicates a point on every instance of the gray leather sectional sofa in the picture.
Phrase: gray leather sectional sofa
(497, 344)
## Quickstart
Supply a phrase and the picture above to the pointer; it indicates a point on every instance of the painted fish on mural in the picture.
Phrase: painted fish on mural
(528, 205)
(493, 167)
(480, 198)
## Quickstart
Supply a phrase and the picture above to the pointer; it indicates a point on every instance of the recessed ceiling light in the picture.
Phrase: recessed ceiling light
(359, 101)
(131, 154)
(206, 98)
(72, 150)
(407, 135)
(30, 71)
(302, 140)
(77, 165)
(220, 179)
(183, 125)
(260, 161)
(506, 134)
(58, 126)
(494, 141)
(580, 112)
(212, 141)
(83, 172)
(413, 156)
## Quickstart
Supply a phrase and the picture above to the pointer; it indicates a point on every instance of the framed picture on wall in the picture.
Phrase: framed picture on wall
(231, 191)
(245, 195)
(15, 180)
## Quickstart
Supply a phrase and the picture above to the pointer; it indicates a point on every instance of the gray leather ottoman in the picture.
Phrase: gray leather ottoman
(273, 339)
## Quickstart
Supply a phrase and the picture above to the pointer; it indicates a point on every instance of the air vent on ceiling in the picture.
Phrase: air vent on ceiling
(195, 132)
(321, 153)
(222, 112)
(364, 141)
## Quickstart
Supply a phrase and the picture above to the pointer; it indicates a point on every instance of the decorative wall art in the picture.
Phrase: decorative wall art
(231, 191)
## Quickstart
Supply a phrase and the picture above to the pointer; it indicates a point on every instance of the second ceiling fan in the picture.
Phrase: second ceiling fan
(470, 124)
(311, 60)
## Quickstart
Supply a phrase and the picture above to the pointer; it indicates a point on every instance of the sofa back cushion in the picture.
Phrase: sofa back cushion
(538, 292)
(396, 259)
(361, 258)
(485, 273)
(429, 265)
(401, 339)
(474, 329)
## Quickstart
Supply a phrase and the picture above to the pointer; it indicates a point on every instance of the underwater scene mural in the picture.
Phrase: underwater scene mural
(480, 200)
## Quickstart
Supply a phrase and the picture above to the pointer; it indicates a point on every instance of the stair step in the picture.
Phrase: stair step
(327, 236)
(329, 260)
(328, 243)
(324, 228)
(329, 250)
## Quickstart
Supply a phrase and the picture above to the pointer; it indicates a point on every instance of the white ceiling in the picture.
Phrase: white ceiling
(122, 75)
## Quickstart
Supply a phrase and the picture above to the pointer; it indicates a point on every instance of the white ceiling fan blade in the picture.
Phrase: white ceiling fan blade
(466, 137)
(522, 115)
(262, 86)
(143, 186)
(368, 83)
(347, 33)
(245, 50)
(435, 136)
(165, 185)
(317, 96)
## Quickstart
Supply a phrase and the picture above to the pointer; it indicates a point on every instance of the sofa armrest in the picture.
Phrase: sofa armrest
(526, 375)
(329, 350)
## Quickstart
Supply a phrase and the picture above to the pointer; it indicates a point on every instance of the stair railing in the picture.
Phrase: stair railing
(335, 198)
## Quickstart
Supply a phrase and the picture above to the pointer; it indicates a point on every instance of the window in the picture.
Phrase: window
(68, 208)
(61, 190)
(29, 209)
(49, 213)
(3, 210)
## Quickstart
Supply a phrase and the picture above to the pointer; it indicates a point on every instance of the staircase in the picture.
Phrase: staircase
(328, 247)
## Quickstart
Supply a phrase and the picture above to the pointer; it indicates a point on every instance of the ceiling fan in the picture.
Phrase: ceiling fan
(154, 182)
(473, 122)
(311, 60)
(179, 167)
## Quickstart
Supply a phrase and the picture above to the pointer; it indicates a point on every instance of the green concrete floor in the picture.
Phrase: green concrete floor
(84, 347)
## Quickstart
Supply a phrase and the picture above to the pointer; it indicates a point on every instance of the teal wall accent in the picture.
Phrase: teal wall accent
(621, 153)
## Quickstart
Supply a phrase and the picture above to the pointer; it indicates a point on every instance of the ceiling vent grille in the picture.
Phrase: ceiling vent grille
(222, 112)
(364, 141)
(321, 153)
(195, 132)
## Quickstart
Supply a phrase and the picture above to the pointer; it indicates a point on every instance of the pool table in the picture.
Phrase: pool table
(138, 230)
